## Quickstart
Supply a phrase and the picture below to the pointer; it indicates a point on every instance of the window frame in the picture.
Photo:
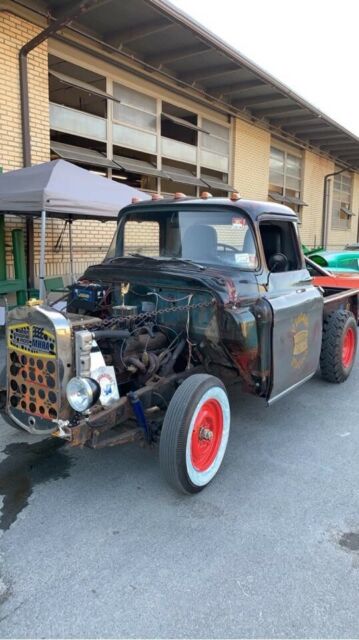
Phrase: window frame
(287, 152)
(347, 221)
(120, 231)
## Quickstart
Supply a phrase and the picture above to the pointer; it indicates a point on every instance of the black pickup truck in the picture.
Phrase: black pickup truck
(193, 296)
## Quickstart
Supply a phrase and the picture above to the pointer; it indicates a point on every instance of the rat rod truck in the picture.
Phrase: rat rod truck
(194, 294)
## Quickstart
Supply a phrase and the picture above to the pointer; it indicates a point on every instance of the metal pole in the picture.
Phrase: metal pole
(42, 256)
(71, 253)
(71, 14)
(18, 248)
(326, 195)
(2, 249)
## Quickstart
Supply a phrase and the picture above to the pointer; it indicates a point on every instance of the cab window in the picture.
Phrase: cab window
(280, 244)
(211, 236)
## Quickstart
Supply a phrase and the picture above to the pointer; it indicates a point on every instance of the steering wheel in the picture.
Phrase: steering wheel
(227, 247)
(278, 262)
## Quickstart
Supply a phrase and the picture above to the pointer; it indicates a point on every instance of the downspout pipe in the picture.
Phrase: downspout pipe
(77, 9)
(325, 218)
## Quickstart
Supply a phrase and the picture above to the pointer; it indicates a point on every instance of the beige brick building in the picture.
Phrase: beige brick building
(188, 115)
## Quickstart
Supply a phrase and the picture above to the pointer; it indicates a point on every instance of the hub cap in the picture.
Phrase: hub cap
(348, 348)
(207, 435)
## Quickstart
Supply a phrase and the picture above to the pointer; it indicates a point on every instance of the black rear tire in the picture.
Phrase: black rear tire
(339, 344)
(195, 433)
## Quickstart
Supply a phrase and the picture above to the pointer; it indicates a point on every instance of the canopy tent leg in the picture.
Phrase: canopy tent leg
(30, 253)
(71, 253)
(42, 256)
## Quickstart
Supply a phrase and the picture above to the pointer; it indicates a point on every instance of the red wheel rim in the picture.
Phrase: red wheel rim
(207, 435)
(348, 348)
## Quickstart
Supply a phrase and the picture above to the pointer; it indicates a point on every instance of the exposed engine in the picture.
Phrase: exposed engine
(144, 332)
(110, 342)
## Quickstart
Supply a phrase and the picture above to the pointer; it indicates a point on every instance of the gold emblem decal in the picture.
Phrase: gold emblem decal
(31, 339)
(300, 340)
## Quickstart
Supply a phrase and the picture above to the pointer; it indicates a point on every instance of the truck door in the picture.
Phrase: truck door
(297, 309)
(296, 338)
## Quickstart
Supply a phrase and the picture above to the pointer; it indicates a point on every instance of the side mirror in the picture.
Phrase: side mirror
(277, 262)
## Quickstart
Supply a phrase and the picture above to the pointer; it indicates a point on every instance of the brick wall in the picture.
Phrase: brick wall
(251, 160)
(90, 240)
(14, 33)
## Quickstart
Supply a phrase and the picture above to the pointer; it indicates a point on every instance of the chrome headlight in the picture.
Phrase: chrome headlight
(82, 393)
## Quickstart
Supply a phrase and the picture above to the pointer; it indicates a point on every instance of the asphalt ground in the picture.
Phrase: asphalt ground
(94, 544)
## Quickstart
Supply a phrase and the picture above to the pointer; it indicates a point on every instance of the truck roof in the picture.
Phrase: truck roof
(253, 208)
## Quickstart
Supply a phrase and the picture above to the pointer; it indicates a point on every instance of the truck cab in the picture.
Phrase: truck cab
(253, 248)
(193, 296)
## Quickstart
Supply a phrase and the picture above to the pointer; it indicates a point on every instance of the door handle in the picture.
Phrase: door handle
(300, 290)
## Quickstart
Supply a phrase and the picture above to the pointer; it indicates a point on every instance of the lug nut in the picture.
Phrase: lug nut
(205, 434)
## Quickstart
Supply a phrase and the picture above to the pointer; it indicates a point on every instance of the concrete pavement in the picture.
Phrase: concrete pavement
(95, 544)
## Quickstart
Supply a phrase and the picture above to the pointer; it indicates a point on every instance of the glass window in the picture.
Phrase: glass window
(135, 109)
(280, 244)
(178, 124)
(205, 236)
(141, 237)
(342, 196)
(285, 177)
(217, 138)
(132, 98)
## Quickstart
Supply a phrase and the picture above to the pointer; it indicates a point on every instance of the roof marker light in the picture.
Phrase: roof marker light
(179, 195)
(135, 200)
(235, 196)
(157, 196)
(205, 195)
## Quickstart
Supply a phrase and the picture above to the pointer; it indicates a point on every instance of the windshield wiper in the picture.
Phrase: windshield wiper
(186, 261)
(141, 255)
(165, 259)
(132, 255)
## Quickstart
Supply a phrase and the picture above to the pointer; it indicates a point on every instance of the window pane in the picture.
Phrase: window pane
(215, 144)
(219, 237)
(134, 117)
(277, 154)
(134, 139)
(133, 98)
(292, 183)
(142, 237)
(215, 129)
(276, 178)
(293, 166)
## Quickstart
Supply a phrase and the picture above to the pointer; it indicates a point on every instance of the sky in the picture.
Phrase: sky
(310, 45)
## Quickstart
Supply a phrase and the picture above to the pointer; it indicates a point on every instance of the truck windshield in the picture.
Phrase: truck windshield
(207, 237)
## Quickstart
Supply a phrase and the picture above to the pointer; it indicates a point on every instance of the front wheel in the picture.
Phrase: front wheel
(195, 433)
(339, 345)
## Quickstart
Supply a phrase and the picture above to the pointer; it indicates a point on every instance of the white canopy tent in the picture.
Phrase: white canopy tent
(62, 190)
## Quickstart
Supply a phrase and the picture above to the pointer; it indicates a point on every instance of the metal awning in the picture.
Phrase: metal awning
(155, 40)
(183, 123)
(137, 166)
(82, 155)
(284, 199)
(182, 176)
(83, 86)
(347, 211)
(216, 183)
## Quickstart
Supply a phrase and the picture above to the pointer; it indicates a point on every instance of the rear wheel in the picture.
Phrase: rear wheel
(339, 346)
(195, 433)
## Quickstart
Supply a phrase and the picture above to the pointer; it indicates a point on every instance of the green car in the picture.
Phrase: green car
(336, 260)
